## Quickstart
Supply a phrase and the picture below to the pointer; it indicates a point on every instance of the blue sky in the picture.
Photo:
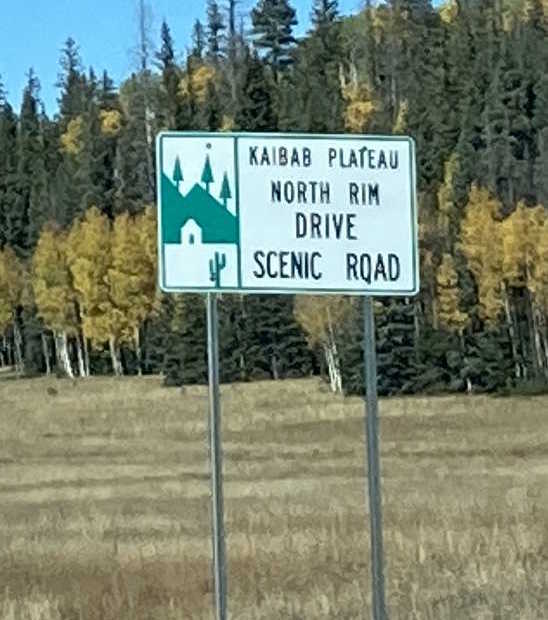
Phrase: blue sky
(32, 32)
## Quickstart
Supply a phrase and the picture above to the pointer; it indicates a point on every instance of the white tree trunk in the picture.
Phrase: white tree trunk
(332, 357)
(543, 335)
(45, 352)
(81, 363)
(512, 332)
(540, 349)
(115, 357)
(63, 356)
(18, 347)
(4, 358)
(138, 350)
(86, 355)
(333, 369)
(9, 350)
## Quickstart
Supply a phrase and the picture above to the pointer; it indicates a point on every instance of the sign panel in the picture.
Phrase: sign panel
(287, 213)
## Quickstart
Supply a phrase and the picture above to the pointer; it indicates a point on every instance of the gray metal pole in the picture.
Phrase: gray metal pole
(215, 454)
(373, 461)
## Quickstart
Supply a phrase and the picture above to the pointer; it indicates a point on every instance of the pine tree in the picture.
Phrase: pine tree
(396, 348)
(186, 354)
(71, 82)
(198, 40)
(135, 182)
(273, 22)
(541, 126)
(169, 104)
(324, 13)
(29, 154)
(40, 203)
(507, 133)
(8, 153)
(318, 72)
(255, 107)
(215, 28)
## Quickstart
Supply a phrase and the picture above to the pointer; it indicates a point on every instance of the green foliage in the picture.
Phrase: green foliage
(255, 106)
(186, 351)
(273, 22)
(215, 27)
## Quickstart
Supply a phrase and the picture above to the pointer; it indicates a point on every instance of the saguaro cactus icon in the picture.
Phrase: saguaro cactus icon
(215, 268)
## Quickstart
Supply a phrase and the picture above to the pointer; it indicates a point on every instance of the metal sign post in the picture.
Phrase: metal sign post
(373, 461)
(217, 509)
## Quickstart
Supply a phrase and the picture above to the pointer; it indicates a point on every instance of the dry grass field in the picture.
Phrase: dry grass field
(104, 503)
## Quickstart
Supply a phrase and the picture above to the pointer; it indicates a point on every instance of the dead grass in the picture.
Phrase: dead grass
(104, 503)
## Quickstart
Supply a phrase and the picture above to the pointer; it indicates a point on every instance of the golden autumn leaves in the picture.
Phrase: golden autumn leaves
(505, 253)
(97, 281)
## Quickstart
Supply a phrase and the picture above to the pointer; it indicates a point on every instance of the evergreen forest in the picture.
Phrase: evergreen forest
(468, 80)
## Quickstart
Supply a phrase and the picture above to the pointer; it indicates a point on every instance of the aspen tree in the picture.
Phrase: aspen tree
(360, 107)
(482, 245)
(449, 314)
(319, 317)
(90, 258)
(521, 235)
(11, 296)
(54, 293)
(132, 275)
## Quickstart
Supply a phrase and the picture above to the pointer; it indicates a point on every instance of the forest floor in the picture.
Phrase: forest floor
(104, 503)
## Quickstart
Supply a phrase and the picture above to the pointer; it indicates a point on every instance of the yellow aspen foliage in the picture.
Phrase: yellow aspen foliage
(318, 315)
(538, 280)
(111, 123)
(72, 140)
(52, 282)
(11, 286)
(449, 11)
(227, 123)
(132, 274)
(201, 77)
(446, 199)
(147, 227)
(481, 243)
(521, 234)
(519, 10)
(447, 286)
(89, 256)
(360, 107)
(401, 124)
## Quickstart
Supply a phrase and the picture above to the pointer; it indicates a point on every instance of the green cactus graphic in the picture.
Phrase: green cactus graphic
(215, 268)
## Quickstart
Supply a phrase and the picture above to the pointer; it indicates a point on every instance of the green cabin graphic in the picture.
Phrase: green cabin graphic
(216, 223)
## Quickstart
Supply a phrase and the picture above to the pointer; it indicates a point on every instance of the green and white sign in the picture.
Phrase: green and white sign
(276, 213)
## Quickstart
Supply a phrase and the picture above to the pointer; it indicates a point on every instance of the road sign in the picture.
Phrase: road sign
(275, 213)
(287, 213)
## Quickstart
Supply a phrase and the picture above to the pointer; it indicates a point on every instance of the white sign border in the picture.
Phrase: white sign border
(277, 290)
